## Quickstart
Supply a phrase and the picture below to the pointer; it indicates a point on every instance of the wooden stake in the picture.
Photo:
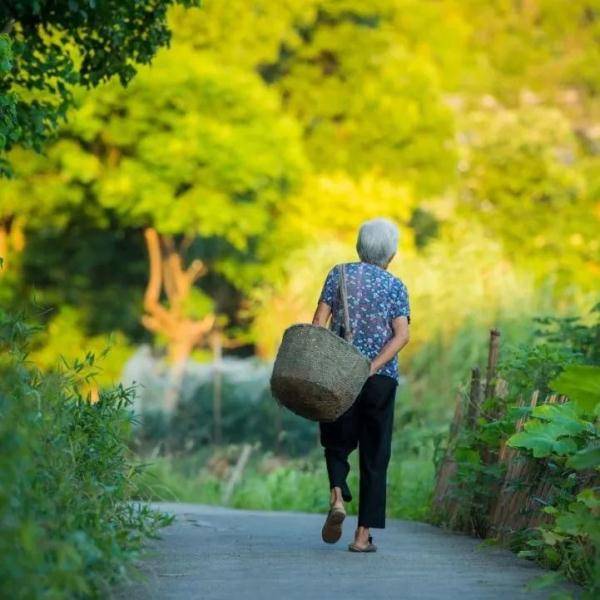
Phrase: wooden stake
(458, 417)
(217, 387)
(474, 398)
(534, 398)
(237, 472)
(493, 353)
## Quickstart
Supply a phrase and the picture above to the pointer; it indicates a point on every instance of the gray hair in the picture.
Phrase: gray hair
(377, 241)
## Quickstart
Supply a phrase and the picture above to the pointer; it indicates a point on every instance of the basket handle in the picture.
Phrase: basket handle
(348, 333)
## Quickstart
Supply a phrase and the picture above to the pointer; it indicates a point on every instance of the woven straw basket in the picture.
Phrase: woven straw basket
(317, 374)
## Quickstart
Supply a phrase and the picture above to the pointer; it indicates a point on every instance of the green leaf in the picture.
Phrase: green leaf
(581, 383)
(588, 458)
(543, 439)
(551, 537)
(566, 416)
(590, 498)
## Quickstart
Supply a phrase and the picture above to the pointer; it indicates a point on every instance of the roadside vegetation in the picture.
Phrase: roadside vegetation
(68, 526)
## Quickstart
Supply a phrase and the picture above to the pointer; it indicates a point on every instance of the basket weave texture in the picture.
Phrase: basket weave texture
(317, 374)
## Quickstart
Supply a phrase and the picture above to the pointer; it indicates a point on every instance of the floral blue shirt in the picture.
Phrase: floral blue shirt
(375, 299)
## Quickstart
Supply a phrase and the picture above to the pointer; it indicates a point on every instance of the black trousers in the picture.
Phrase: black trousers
(368, 425)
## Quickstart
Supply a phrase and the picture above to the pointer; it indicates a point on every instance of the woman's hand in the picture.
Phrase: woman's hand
(374, 368)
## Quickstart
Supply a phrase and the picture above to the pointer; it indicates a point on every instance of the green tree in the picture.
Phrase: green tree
(365, 101)
(347, 71)
(197, 156)
(541, 45)
(522, 178)
(48, 46)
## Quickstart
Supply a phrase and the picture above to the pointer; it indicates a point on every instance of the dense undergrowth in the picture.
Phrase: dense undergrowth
(67, 523)
(527, 469)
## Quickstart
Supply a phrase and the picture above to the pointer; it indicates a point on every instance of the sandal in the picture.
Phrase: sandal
(370, 547)
(332, 529)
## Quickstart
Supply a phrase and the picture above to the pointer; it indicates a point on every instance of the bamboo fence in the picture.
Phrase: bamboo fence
(524, 486)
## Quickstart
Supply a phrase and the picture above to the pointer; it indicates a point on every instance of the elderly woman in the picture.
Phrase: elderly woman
(379, 317)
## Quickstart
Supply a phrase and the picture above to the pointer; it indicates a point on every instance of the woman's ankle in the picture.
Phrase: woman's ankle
(335, 498)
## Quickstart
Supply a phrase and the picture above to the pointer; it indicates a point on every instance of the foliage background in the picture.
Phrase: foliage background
(254, 146)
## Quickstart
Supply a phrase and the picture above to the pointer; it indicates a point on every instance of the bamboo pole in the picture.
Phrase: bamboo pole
(510, 510)
(447, 466)
(458, 417)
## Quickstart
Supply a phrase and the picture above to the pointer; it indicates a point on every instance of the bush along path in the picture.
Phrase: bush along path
(67, 526)
(522, 460)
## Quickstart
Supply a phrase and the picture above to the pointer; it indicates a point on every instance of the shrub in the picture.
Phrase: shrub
(66, 524)
(526, 471)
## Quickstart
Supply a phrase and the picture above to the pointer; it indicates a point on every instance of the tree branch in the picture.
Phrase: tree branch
(195, 271)
(152, 294)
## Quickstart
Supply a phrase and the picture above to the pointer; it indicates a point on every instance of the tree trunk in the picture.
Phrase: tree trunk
(178, 357)
(169, 278)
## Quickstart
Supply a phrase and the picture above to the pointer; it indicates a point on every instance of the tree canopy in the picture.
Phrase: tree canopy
(269, 130)
(48, 46)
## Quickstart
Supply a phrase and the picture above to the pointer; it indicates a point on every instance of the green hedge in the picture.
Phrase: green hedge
(67, 526)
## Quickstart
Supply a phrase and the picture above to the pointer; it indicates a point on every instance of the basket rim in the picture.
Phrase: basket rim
(330, 333)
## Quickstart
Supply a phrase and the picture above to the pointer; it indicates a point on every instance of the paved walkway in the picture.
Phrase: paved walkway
(213, 553)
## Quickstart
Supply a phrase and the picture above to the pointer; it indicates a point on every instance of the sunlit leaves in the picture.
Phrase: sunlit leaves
(581, 383)
(365, 101)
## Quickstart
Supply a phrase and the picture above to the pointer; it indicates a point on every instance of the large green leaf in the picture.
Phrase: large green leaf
(581, 383)
(543, 439)
(581, 518)
(567, 416)
(552, 430)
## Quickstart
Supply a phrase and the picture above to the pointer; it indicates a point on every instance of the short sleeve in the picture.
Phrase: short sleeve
(400, 305)
(330, 287)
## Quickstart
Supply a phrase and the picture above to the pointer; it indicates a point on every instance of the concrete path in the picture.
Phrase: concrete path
(213, 553)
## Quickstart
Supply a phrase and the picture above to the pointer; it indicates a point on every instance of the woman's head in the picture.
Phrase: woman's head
(377, 242)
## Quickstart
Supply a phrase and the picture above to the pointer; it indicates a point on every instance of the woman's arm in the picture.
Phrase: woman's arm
(398, 341)
(322, 314)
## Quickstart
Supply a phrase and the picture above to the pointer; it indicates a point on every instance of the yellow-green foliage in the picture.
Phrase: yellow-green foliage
(270, 130)
(260, 140)
(65, 340)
